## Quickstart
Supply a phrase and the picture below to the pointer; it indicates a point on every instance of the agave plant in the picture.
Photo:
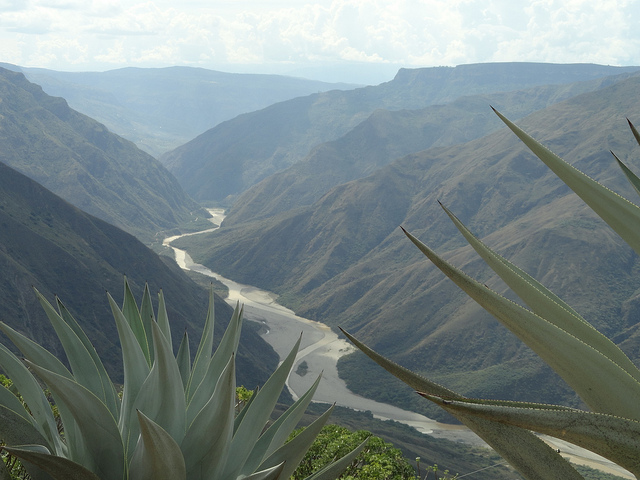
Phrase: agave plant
(599, 372)
(174, 419)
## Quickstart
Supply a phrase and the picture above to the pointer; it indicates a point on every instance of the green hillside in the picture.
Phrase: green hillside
(81, 161)
(344, 261)
(226, 160)
(47, 243)
(161, 108)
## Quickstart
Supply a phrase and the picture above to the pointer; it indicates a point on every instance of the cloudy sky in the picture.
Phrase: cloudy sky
(283, 36)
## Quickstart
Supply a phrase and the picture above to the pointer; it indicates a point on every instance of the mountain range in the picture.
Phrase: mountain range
(80, 160)
(49, 244)
(161, 108)
(343, 260)
(226, 160)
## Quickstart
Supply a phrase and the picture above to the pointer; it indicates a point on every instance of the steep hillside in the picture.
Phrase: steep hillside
(81, 161)
(47, 243)
(228, 159)
(161, 108)
(343, 260)
(387, 135)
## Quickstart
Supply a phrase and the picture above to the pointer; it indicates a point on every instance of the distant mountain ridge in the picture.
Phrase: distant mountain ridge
(225, 161)
(387, 135)
(343, 260)
(81, 161)
(48, 243)
(162, 108)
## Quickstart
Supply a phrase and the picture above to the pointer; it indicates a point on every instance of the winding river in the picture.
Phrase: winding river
(319, 352)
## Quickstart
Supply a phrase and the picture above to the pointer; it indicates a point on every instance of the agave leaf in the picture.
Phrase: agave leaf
(207, 441)
(163, 318)
(634, 131)
(602, 384)
(95, 423)
(34, 351)
(184, 360)
(618, 212)
(335, 469)
(135, 369)
(533, 458)
(40, 356)
(161, 397)
(292, 453)
(205, 347)
(59, 468)
(256, 417)
(132, 314)
(34, 397)
(277, 434)
(111, 396)
(147, 316)
(544, 303)
(228, 345)
(157, 455)
(632, 177)
(85, 371)
(272, 473)
(615, 438)
(15, 427)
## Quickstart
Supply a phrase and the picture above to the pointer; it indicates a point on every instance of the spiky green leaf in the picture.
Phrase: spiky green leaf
(34, 351)
(612, 437)
(256, 417)
(292, 452)
(94, 421)
(205, 348)
(272, 473)
(16, 426)
(33, 396)
(228, 345)
(136, 369)
(132, 314)
(163, 318)
(615, 391)
(618, 212)
(545, 303)
(533, 458)
(277, 434)
(148, 317)
(184, 360)
(206, 460)
(59, 468)
(84, 369)
(632, 177)
(111, 396)
(161, 396)
(157, 455)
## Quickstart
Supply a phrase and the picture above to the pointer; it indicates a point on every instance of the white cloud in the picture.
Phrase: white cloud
(65, 33)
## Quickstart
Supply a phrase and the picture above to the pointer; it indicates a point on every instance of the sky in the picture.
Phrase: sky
(341, 40)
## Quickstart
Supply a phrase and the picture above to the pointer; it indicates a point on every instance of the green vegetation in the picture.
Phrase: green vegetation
(174, 419)
(600, 373)
(379, 459)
